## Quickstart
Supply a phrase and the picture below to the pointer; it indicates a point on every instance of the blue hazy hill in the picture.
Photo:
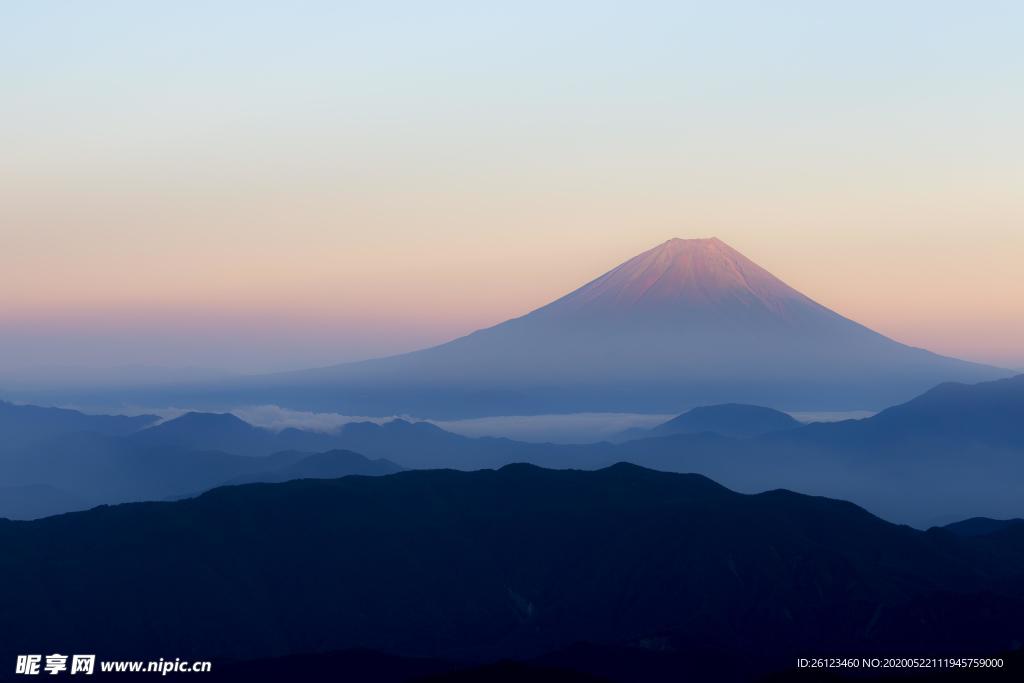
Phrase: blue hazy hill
(727, 419)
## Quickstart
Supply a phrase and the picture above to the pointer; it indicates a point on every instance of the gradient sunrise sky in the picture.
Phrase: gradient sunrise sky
(270, 185)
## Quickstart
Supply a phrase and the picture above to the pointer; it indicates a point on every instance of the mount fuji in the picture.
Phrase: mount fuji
(689, 322)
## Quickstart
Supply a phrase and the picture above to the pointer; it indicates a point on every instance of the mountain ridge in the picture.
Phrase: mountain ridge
(727, 419)
(515, 562)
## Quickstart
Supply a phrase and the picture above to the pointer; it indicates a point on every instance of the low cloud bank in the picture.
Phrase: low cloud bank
(570, 428)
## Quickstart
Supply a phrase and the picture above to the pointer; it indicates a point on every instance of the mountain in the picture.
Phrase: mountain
(328, 465)
(23, 425)
(515, 563)
(689, 322)
(924, 462)
(228, 433)
(981, 526)
(424, 445)
(90, 470)
(987, 412)
(415, 444)
(74, 470)
(954, 452)
(729, 419)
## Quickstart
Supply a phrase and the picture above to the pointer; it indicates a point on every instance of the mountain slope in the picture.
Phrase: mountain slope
(988, 412)
(185, 456)
(327, 465)
(509, 563)
(23, 425)
(981, 526)
(729, 419)
(956, 451)
(228, 433)
(951, 415)
(692, 282)
(688, 322)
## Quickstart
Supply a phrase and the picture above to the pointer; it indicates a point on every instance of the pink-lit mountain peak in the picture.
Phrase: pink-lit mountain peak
(689, 322)
(684, 274)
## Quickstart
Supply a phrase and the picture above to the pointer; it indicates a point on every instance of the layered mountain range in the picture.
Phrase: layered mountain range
(954, 452)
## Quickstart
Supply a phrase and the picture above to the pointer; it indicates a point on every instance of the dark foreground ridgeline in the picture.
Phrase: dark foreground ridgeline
(641, 571)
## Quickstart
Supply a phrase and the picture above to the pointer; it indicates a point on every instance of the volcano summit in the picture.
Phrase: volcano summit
(689, 322)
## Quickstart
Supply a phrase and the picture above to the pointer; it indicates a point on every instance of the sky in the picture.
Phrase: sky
(255, 186)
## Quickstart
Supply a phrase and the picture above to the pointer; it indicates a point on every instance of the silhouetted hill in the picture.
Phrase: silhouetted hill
(328, 465)
(516, 563)
(990, 413)
(228, 433)
(61, 471)
(425, 445)
(981, 526)
(409, 444)
(23, 425)
(106, 469)
(926, 462)
(78, 470)
(956, 451)
(727, 419)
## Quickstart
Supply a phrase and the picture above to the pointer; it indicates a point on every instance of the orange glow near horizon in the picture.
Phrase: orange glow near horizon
(959, 302)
